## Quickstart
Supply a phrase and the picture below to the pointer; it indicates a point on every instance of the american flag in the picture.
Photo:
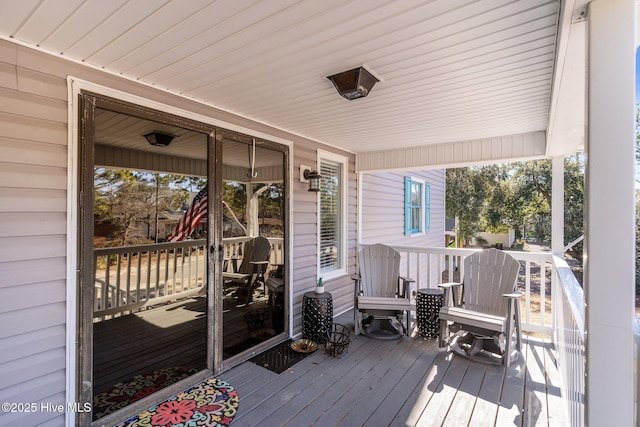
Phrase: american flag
(191, 217)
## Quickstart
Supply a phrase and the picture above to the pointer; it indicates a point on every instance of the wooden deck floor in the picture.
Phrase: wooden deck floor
(405, 382)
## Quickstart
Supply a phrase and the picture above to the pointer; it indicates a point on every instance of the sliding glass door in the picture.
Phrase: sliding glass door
(182, 250)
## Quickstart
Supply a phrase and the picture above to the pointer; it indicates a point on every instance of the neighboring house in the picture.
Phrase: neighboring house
(505, 240)
(451, 236)
(405, 209)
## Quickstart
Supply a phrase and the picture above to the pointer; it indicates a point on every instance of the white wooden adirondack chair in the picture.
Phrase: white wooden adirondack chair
(380, 292)
(489, 312)
(250, 274)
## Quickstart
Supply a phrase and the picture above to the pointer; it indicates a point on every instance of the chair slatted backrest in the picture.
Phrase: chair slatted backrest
(379, 269)
(254, 250)
(487, 276)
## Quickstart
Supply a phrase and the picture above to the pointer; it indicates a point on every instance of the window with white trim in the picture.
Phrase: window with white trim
(417, 210)
(332, 224)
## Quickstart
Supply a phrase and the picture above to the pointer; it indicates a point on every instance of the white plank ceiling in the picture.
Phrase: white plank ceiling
(451, 70)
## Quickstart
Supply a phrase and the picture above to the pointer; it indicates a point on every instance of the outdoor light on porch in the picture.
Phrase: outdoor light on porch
(354, 84)
(159, 139)
(314, 179)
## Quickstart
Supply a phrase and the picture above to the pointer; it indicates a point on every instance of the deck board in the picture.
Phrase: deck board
(340, 387)
(406, 382)
(557, 408)
(511, 399)
(488, 398)
(463, 404)
(382, 389)
(442, 399)
(314, 382)
(535, 401)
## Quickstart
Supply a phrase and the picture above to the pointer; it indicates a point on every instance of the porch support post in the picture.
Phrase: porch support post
(557, 224)
(610, 214)
(557, 206)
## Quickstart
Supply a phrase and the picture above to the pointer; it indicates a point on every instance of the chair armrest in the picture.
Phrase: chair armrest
(449, 285)
(449, 288)
(513, 295)
(357, 281)
(277, 271)
(259, 266)
(403, 284)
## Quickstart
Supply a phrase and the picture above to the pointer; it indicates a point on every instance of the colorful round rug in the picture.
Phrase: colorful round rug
(124, 393)
(212, 402)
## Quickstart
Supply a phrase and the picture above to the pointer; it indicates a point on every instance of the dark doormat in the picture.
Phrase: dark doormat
(279, 358)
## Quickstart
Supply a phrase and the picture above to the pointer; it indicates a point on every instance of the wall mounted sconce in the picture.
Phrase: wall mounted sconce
(310, 176)
(354, 84)
(159, 139)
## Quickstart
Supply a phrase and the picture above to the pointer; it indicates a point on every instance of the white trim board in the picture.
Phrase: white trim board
(456, 154)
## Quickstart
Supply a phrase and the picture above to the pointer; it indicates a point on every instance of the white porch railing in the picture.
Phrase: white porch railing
(233, 248)
(431, 266)
(553, 304)
(131, 278)
(569, 338)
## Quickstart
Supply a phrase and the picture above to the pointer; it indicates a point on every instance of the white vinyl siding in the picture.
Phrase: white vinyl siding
(33, 222)
(456, 154)
(382, 210)
(306, 230)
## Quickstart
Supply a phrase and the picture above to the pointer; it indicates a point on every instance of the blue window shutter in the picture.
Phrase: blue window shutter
(407, 206)
(427, 207)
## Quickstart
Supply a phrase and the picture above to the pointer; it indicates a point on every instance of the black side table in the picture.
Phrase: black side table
(317, 316)
(428, 304)
(276, 302)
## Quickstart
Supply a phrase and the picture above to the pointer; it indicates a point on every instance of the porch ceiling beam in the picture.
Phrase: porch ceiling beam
(134, 159)
(566, 113)
(506, 148)
(123, 158)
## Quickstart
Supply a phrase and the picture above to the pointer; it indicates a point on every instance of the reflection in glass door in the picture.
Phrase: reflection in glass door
(253, 236)
(150, 268)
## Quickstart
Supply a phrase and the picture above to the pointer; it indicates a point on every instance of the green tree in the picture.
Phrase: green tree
(466, 192)
(518, 195)
(130, 199)
(532, 181)
(235, 196)
(165, 197)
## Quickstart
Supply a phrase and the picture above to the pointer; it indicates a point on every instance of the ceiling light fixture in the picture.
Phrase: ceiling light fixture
(159, 139)
(354, 84)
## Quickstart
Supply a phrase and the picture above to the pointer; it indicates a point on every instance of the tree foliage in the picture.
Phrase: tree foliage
(517, 195)
(234, 195)
(129, 200)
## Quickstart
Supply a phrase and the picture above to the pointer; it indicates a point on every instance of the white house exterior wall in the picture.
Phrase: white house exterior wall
(382, 213)
(33, 221)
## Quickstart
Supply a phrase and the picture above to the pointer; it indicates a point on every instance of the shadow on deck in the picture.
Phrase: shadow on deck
(403, 382)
